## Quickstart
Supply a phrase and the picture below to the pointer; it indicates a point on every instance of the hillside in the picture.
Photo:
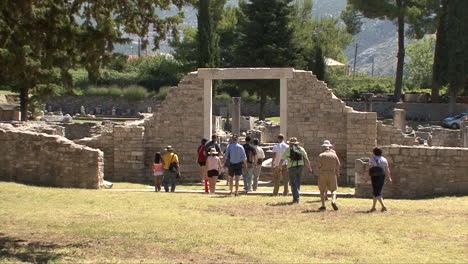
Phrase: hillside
(377, 39)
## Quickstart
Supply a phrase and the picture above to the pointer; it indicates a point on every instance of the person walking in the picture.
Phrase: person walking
(279, 172)
(247, 172)
(297, 158)
(258, 169)
(378, 170)
(201, 159)
(157, 171)
(171, 169)
(327, 142)
(213, 144)
(236, 160)
(328, 167)
(214, 167)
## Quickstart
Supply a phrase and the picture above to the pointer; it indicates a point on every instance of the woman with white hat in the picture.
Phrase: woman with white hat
(213, 166)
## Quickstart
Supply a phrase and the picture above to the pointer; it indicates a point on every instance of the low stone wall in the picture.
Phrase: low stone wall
(414, 111)
(84, 130)
(248, 108)
(103, 106)
(100, 105)
(419, 172)
(48, 160)
(387, 135)
(442, 136)
(123, 153)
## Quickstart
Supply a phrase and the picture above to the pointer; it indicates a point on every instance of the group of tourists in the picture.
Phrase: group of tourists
(289, 162)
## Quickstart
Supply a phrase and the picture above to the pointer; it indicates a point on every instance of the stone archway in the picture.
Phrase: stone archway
(309, 111)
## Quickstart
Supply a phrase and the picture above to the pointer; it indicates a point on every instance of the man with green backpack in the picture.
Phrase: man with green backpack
(297, 158)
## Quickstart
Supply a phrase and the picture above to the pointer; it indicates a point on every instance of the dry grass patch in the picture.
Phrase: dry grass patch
(94, 226)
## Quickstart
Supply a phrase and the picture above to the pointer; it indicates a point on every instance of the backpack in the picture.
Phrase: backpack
(295, 153)
(376, 170)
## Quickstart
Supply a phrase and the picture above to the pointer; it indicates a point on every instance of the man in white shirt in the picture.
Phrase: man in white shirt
(258, 169)
(279, 171)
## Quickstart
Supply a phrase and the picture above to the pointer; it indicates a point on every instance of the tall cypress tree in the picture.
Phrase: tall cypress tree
(210, 13)
(457, 44)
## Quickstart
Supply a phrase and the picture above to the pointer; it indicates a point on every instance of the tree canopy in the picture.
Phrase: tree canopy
(40, 39)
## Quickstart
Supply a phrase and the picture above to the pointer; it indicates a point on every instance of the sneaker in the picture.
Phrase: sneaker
(295, 201)
(321, 209)
(372, 210)
(335, 207)
(384, 209)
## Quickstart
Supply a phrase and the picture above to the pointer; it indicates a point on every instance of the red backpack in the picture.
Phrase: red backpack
(201, 153)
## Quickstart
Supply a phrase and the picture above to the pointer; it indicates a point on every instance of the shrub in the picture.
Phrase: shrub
(135, 93)
(247, 97)
(163, 92)
(223, 96)
(97, 91)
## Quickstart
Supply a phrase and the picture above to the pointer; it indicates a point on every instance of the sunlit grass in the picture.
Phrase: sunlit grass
(221, 186)
(4, 92)
(73, 225)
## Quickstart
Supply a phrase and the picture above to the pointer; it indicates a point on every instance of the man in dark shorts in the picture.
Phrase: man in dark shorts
(236, 158)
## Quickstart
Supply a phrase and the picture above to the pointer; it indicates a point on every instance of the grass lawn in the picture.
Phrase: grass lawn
(8, 92)
(221, 186)
(60, 225)
(274, 119)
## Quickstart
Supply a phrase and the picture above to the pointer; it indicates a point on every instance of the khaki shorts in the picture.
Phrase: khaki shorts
(327, 182)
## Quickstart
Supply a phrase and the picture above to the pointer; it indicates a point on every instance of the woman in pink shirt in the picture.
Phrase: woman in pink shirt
(213, 166)
(158, 171)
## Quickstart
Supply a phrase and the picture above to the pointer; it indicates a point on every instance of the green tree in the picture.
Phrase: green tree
(451, 56)
(185, 49)
(421, 57)
(311, 33)
(210, 12)
(40, 38)
(319, 63)
(266, 40)
(410, 12)
(457, 43)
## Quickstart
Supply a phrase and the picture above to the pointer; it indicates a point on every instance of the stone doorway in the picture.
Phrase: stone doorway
(208, 75)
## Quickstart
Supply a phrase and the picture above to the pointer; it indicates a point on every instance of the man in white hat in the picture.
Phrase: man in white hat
(328, 167)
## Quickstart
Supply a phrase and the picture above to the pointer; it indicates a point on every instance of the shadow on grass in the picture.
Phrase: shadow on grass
(315, 201)
(19, 250)
(219, 196)
(280, 204)
(312, 211)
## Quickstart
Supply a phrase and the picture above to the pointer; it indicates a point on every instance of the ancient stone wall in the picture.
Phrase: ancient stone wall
(129, 154)
(179, 123)
(315, 114)
(123, 153)
(419, 172)
(387, 135)
(105, 143)
(84, 130)
(48, 160)
(361, 139)
(445, 137)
